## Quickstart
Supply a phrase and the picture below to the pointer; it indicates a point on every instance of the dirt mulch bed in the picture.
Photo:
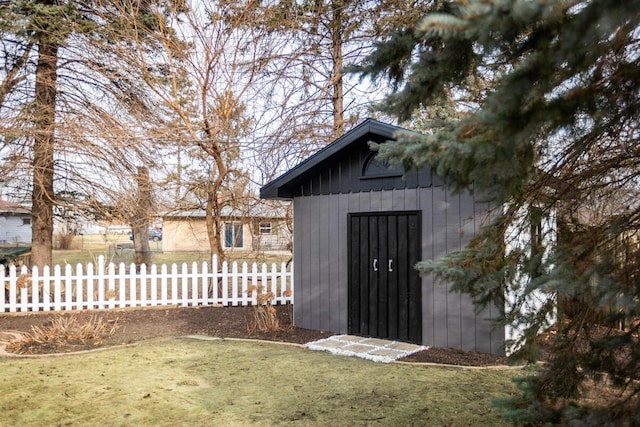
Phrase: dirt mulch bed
(227, 322)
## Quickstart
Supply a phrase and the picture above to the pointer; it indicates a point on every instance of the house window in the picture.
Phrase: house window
(264, 228)
(232, 235)
(26, 221)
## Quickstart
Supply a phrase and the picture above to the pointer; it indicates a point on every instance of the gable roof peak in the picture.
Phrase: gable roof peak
(366, 127)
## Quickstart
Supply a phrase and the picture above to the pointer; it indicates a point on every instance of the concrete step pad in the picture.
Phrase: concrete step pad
(374, 349)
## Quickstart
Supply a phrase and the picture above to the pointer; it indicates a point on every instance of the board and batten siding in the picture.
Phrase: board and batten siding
(320, 253)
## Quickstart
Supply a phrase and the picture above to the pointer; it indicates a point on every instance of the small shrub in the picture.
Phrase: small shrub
(64, 332)
(265, 315)
(63, 241)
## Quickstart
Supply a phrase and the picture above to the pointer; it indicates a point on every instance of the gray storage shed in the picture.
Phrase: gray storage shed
(359, 227)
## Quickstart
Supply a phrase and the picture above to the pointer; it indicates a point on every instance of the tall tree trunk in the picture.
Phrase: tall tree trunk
(42, 197)
(141, 221)
(214, 223)
(337, 97)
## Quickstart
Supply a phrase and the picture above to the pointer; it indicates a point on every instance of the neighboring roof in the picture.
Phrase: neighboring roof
(7, 207)
(368, 126)
(256, 211)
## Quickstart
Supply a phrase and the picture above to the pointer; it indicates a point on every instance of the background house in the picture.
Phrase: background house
(262, 227)
(360, 226)
(15, 223)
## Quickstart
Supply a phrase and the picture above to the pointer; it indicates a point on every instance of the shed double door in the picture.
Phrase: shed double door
(384, 288)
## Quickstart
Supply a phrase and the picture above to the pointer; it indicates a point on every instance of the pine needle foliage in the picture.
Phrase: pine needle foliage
(552, 136)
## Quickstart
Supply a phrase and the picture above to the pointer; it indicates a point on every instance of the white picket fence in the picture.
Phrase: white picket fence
(107, 286)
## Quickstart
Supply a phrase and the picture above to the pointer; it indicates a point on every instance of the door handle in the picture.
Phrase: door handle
(375, 264)
(390, 265)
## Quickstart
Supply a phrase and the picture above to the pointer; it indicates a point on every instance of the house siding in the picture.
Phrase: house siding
(13, 229)
(321, 263)
(190, 234)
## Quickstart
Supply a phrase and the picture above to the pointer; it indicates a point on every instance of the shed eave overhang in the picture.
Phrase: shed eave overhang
(277, 189)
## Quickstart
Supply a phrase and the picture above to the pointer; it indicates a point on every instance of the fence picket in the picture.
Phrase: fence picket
(225, 283)
(68, 288)
(35, 291)
(254, 284)
(78, 281)
(101, 283)
(57, 288)
(112, 285)
(102, 286)
(163, 285)
(204, 276)
(194, 283)
(90, 279)
(245, 285)
(3, 280)
(234, 283)
(154, 285)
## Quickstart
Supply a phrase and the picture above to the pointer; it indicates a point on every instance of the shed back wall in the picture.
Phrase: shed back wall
(321, 260)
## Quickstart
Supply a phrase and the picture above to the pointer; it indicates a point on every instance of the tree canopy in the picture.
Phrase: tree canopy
(549, 130)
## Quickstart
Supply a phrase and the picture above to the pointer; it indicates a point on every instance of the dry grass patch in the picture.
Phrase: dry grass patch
(230, 383)
(64, 333)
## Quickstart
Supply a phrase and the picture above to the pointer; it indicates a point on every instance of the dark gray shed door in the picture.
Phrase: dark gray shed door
(384, 288)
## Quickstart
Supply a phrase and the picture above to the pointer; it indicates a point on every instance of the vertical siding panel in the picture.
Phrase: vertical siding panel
(375, 200)
(313, 262)
(331, 266)
(365, 202)
(424, 200)
(325, 230)
(299, 222)
(490, 339)
(454, 299)
(439, 245)
(386, 201)
(302, 253)
(469, 319)
(341, 282)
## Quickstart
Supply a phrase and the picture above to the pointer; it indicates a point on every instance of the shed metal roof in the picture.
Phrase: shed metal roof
(274, 189)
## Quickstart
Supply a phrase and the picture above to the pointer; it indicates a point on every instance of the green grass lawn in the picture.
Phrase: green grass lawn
(183, 381)
(87, 249)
